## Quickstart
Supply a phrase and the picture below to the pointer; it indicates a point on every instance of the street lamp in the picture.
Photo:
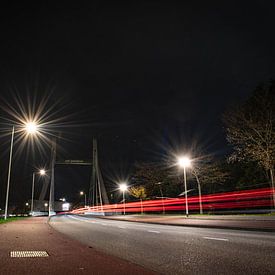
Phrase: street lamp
(31, 129)
(184, 162)
(123, 187)
(45, 205)
(81, 194)
(26, 207)
(42, 172)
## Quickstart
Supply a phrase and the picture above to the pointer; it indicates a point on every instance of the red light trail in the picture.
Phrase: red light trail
(221, 201)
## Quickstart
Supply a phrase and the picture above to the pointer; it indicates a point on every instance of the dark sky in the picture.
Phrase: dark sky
(141, 76)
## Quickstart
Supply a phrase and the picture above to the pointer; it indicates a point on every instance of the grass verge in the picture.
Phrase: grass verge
(2, 220)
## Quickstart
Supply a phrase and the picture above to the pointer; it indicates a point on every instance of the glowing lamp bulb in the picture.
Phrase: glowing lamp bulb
(31, 127)
(42, 172)
(123, 187)
(184, 162)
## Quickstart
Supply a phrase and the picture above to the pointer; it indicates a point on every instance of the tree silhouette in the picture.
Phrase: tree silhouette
(250, 128)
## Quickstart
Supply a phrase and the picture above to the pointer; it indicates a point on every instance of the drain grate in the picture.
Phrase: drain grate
(28, 254)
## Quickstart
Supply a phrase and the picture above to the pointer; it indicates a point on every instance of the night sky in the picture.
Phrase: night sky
(144, 78)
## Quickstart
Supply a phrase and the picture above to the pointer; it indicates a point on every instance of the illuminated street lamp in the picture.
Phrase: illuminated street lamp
(123, 187)
(46, 205)
(81, 194)
(41, 172)
(184, 162)
(31, 129)
(26, 207)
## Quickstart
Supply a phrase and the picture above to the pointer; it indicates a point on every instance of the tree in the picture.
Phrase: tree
(250, 129)
(208, 171)
(138, 192)
(246, 174)
(149, 174)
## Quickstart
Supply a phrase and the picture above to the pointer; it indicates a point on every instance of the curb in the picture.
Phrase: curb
(197, 225)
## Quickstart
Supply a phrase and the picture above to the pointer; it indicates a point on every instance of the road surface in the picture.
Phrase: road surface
(175, 249)
(61, 255)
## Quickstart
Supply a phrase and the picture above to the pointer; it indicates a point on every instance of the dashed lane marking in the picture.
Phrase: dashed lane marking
(153, 231)
(83, 220)
(216, 239)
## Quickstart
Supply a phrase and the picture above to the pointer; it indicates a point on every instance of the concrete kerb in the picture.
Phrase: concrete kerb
(192, 225)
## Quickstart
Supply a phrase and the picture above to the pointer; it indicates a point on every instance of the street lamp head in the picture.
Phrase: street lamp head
(81, 193)
(45, 204)
(27, 204)
(31, 127)
(42, 172)
(123, 187)
(184, 162)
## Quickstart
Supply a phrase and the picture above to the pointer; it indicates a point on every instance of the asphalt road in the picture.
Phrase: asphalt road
(65, 256)
(175, 249)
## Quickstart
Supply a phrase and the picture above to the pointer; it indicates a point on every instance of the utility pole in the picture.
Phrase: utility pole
(51, 198)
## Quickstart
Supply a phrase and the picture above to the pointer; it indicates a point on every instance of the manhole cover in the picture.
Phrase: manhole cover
(28, 254)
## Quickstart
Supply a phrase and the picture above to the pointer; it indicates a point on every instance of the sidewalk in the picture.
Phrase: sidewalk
(66, 256)
(240, 222)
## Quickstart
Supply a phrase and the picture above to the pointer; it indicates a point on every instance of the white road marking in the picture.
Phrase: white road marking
(122, 227)
(216, 239)
(153, 231)
(103, 224)
(82, 220)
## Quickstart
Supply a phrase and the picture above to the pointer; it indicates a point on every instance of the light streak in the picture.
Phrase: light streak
(221, 201)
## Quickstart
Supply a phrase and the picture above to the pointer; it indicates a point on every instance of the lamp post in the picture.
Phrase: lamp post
(42, 172)
(184, 162)
(123, 187)
(30, 128)
(46, 205)
(26, 207)
(81, 194)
